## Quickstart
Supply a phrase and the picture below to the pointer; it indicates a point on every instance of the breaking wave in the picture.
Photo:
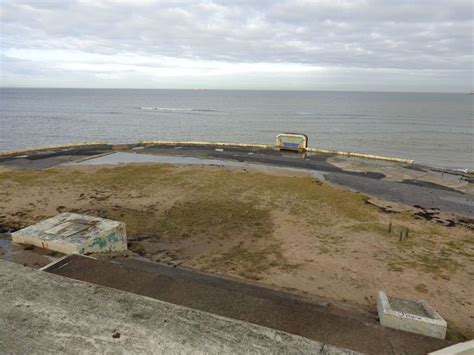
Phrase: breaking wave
(329, 114)
(176, 109)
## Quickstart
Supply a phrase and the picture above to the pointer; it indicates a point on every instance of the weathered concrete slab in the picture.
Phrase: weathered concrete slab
(46, 313)
(416, 317)
(71, 233)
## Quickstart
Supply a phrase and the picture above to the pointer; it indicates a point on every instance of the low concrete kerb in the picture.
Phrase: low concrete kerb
(433, 325)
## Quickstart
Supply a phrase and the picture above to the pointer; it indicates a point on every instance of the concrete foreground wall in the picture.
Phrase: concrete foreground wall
(46, 313)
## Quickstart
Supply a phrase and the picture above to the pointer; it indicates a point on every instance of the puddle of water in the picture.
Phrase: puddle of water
(5, 248)
(446, 176)
(32, 257)
(4, 243)
(317, 174)
(127, 158)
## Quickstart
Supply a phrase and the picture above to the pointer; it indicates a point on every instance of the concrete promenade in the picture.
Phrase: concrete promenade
(44, 313)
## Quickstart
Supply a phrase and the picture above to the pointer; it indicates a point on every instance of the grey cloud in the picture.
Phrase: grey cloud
(400, 34)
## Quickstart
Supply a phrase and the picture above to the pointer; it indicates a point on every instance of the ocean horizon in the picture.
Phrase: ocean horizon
(431, 128)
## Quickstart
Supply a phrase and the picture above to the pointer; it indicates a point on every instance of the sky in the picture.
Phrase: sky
(361, 45)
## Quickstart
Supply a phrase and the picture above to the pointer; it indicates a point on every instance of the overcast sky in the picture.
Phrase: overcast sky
(391, 45)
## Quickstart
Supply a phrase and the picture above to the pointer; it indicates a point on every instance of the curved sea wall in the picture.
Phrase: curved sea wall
(103, 144)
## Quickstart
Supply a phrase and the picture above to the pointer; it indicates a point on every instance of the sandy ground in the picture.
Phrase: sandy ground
(283, 229)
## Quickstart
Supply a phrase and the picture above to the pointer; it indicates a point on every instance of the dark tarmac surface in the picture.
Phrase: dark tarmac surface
(48, 159)
(338, 324)
(261, 156)
(411, 192)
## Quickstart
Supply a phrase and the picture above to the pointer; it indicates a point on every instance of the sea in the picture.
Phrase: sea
(431, 128)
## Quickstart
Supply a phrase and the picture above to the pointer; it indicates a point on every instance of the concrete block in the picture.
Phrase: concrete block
(71, 233)
(416, 317)
(466, 348)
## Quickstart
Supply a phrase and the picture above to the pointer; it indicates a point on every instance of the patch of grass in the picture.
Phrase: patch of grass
(138, 248)
(134, 177)
(394, 267)
(251, 262)
(139, 177)
(28, 178)
(307, 198)
(422, 288)
(468, 239)
(217, 219)
(454, 244)
(324, 250)
(301, 195)
(437, 264)
(371, 227)
(405, 216)
(138, 222)
(455, 334)
(458, 247)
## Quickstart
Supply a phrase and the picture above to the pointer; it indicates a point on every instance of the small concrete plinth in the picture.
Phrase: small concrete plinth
(71, 233)
(416, 317)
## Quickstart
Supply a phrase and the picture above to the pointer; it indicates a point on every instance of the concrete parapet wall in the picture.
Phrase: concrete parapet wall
(360, 155)
(217, 144)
